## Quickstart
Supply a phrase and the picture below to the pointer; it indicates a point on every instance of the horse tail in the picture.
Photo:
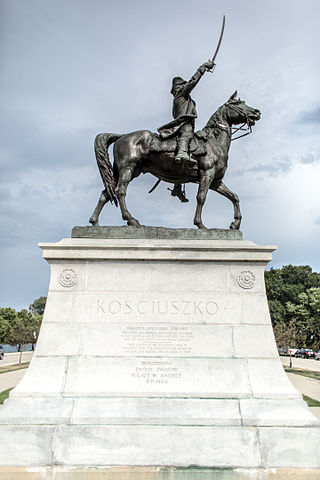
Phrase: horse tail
(101, 145)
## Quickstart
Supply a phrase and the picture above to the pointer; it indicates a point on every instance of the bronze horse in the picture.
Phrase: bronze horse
(132, 157)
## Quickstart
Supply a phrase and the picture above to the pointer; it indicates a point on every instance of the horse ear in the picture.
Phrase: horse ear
(233, 96)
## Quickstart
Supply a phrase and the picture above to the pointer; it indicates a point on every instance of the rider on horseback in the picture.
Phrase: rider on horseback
(184, 113)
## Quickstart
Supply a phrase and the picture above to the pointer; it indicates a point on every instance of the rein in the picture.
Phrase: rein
(234, 130)
(245, 127)
(242, 128)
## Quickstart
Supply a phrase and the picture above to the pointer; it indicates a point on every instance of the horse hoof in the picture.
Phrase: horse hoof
(201, 226)
(234, 226)
(133, 223)
(93, 222)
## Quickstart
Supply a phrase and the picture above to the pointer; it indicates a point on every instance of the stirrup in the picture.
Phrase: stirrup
(178, 192)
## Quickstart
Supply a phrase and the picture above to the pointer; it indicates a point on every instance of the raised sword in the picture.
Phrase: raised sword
(219, 42)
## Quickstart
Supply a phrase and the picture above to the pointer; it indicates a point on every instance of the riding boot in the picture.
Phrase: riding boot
(182, 154)
(177, 192)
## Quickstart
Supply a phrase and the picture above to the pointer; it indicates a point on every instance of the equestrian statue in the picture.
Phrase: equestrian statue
(176, 154)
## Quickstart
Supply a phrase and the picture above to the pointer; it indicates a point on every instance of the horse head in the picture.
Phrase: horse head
(236, 111)
(233, 112)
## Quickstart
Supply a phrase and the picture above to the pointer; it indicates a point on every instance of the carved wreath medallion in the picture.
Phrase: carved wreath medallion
(246, 279)
(68, 277)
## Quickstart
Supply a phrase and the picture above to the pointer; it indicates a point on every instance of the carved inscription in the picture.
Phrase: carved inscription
(157, 339)
(157, 307)
(156, 372)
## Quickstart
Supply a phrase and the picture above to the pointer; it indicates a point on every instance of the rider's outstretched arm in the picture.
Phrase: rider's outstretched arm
(186, 89)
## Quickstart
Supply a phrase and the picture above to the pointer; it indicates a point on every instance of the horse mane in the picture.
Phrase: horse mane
(211, 127)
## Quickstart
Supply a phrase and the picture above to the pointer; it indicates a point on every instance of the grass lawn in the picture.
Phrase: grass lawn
(4, 395)
(304, 373)
(12, 368)
(311, 402)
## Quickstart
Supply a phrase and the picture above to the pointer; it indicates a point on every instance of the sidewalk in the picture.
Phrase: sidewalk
(11, 379)
(305, 385)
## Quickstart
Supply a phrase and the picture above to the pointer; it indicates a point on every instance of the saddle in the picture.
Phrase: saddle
(197, 146)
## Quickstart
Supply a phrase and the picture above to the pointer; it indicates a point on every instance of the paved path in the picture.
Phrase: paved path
(315, 411)
(11, 379)
(308, 386)
(304, 363)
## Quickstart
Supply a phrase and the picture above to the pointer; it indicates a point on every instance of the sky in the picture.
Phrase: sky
(72, 69)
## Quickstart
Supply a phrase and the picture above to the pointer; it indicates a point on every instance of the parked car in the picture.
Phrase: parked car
(287, 351)
(305, 353)
(283, 351)
(292, 351)
(1, 352)
(317, 357)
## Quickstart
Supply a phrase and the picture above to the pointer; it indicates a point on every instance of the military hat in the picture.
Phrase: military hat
(177, 81)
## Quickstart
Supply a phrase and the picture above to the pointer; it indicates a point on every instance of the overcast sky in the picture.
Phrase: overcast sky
(70, 69)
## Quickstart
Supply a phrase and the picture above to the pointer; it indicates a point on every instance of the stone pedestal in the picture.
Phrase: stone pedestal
(156, 358)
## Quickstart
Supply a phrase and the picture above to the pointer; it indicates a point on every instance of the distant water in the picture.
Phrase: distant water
(14, 348)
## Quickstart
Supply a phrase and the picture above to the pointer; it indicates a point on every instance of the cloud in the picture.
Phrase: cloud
(309, 158)
(280, 166)
(311, 117)
(72, 69)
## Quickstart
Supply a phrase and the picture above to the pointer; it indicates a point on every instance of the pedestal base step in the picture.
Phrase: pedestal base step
(280, 412)
(156, 473)
(178, 446)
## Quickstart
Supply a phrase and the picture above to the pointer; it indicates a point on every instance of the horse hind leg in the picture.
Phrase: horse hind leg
(225, 192)
(125, 177)
(103, 199)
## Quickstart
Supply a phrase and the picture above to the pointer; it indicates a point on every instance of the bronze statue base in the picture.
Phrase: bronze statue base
(160, 233)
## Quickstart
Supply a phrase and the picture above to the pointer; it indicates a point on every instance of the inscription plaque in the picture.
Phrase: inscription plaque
(157, 339)
(157, 372)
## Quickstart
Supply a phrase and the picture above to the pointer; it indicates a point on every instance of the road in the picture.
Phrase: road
(304, 363)
(13, 358)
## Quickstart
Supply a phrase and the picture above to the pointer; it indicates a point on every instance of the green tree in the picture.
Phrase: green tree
(37, 310)
(18, 328)
(307, 314)
(8, 317)
(292, 293)
(24, 328)
(38, 306)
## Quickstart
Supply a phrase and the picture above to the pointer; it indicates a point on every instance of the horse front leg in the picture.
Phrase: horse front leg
(225, 192)
(103, 199)
(205, 180)
(125, 176)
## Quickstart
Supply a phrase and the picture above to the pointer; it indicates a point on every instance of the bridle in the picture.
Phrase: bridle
(242, 128)
(245, 127)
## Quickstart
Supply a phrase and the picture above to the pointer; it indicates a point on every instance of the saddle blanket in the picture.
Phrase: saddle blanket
(197, 145)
